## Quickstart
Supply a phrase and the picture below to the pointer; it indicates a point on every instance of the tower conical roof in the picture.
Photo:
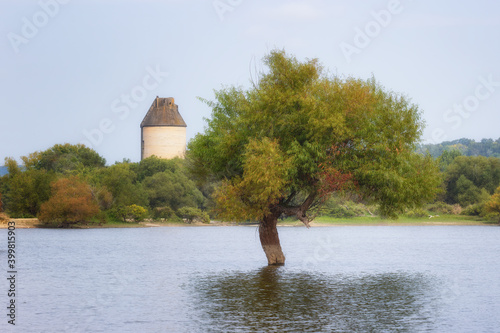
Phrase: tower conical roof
(163, 112)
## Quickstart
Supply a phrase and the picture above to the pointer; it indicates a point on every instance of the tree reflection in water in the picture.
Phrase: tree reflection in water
(275, 299)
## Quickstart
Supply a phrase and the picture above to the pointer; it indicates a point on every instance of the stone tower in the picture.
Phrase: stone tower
(163, 131)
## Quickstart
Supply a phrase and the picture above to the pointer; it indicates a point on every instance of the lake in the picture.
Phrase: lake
(215, 279)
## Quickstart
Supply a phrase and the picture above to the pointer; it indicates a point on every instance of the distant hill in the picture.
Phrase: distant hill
(468, 147)
(3, 170)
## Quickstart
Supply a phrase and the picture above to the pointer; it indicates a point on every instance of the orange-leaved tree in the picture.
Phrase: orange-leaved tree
(71, 202)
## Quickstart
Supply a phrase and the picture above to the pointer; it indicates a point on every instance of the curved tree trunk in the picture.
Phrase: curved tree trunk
(270, 241)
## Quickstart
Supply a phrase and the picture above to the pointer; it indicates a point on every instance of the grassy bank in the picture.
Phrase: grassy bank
(403, 220)
(318, 222)
(27, 223)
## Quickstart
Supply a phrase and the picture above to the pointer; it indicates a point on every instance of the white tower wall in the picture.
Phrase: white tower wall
(164, 141)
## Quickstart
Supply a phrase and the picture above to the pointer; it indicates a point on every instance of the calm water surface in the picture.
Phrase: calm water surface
(214, 279)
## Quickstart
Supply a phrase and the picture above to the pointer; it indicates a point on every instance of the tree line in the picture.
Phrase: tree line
(466, 147)
(469, 185)
(70, 184)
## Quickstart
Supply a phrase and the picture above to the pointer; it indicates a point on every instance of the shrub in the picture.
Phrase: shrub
(104, 198)
(341, 212)
(70, 203)
(474, 210)
(492, 206)
(335, 207)
(192, 214)
(101, 217)
(133, 213)
(166, 214)
(136, 213)
(417, 212)
(456, 209)
(444, 208)
(163, 213)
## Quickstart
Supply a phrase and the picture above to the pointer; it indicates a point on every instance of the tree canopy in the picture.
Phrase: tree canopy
(64, 158)
(467, 176)
(299, 134)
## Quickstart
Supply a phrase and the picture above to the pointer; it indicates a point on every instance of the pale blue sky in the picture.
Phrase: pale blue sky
(72, 66)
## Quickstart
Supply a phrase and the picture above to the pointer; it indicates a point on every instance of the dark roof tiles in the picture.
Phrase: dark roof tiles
(163, 112)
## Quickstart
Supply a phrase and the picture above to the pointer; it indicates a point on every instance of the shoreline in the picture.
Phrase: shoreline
(31, 223)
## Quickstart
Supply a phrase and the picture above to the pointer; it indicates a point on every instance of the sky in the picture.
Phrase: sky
(87, 71)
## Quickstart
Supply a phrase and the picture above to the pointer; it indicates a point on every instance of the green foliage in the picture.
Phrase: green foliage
(466, 147)
(136, 213)
(152, 165)
(151, 183)
(340, 208)
(264, 179)
(173, 189)
(133, 213)
(26, 191)
(279, 141)
(492, 207)
(27, 187)
(444, 208)
(468, 193)
(101, 218)
(65, 158)
(474, 210)
(467, 176)
(192, 214)
(417, 213)
(12, 167)
(165, 213)
(447, 157)
(120, 181)
(103, 196)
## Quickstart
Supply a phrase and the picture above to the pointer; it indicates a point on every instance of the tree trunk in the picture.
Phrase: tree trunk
(270, 241)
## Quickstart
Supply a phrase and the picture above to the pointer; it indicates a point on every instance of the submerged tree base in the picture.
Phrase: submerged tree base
(274, 255)
(270, 241)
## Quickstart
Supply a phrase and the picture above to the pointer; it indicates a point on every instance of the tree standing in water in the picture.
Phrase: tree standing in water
(298, 135)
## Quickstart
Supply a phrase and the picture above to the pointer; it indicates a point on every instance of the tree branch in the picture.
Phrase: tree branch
(290, 197)
(300, 211)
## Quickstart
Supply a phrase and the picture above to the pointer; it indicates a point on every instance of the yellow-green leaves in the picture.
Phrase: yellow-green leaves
(300, 130)
(265, 177)
(493, 205)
